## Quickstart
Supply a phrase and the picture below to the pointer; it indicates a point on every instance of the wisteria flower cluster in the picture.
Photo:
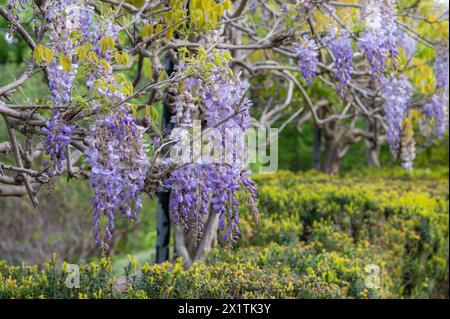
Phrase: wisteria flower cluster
(15, 7)
(60, 81)
(380, 40)
(307, 55)
(342, 51)
(437, 109)
(185, 110)
(116, 151)
(119, 165)
(408, 145)
(58, 137)
(442, 67)
(397, 92)
(408, 152)
(199, 189)
(407, 42)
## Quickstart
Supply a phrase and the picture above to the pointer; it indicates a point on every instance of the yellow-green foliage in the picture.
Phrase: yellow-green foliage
(399, 218)
(232, 277)
(317, 237)
(49, 281)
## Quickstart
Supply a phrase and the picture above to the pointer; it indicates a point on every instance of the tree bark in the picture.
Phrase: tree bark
(332, 159)
(192, 249)
(372, 146)
(373, 156)
(333, 149)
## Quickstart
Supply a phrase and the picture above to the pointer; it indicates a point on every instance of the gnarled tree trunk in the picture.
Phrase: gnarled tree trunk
(332, 160)
(372, 145)
(191, 248)
(333, 149)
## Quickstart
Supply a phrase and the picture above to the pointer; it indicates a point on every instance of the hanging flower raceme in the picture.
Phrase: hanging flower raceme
(116, 152)
(61, 76)
(57, 139)
(117, 156)
(307, 55)
(380, 40)
(442, 67)
(437, 109)
(408, 152)
(69, 23)
(342, 51)
(407, 42)
(397, 93)
(15, 7)
(209, 184)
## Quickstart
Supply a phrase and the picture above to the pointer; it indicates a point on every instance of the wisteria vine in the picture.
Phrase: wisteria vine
(201, 187)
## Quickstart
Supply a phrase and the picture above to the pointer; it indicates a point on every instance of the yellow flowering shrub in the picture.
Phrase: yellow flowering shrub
(375, 234)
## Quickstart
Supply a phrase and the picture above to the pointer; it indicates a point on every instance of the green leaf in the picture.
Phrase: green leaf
(118, 57)
(48, 55)
(134, 110)
(65, 62)
(147, 31)
(38, 53)
(82, 51)
(155, 114)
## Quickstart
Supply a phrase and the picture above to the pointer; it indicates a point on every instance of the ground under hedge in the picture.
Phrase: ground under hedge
(318, 237)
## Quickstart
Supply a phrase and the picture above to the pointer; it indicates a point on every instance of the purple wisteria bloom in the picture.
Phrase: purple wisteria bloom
(397, 93)
(437, 109)
(57, 139)
(380, 40)
(441, 67)
(15, 7)
(307, 55)
(342, 51)
(407, 42)
(116, 151)
(202, 186)
(118, 169)
(61, 82)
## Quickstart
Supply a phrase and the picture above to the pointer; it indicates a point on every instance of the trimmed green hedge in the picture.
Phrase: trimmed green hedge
(318, 237)
(403, 219)
(49, 281)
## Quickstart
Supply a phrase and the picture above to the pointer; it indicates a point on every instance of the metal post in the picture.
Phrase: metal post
(163, 217)
(163, 228)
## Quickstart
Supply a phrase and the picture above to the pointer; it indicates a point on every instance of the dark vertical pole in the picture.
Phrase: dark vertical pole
(163, 228)
(163, 217)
